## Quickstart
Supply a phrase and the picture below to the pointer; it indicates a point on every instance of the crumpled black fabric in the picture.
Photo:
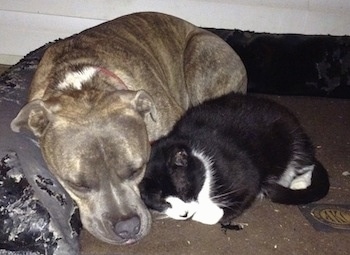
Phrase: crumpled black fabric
(293, 64)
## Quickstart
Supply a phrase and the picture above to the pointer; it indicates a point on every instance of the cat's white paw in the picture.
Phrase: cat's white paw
(179, 209)
(208, 213)
(296, 185)
(302, 181)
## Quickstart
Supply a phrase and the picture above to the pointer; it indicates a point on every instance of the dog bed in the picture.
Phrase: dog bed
(36, 214)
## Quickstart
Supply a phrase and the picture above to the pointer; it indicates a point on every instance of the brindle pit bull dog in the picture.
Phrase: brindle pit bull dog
(100, 96)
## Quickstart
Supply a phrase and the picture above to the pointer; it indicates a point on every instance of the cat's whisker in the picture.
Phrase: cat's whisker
(225, 194)
(231, 205)
(230, 192)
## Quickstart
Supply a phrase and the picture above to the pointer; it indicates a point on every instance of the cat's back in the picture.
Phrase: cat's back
(239, 112)
(242, 126)
(250, 109)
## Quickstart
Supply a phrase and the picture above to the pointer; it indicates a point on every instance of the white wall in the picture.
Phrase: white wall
(27, 24)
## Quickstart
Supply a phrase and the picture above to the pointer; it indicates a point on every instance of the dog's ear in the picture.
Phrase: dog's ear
(35, 116)
(143, 103)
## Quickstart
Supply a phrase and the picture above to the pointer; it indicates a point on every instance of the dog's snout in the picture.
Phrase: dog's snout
(129, 228)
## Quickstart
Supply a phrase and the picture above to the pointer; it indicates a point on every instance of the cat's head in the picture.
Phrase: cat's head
(173, 179)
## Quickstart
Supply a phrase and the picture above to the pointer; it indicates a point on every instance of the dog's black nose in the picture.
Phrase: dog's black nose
(128, 228)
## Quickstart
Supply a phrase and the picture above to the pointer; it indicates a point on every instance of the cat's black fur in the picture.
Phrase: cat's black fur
(250, 142)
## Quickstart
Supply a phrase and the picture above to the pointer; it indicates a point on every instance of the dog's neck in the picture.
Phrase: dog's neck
(109, 73)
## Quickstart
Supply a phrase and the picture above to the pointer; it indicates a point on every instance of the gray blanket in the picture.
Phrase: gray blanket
(36, 215)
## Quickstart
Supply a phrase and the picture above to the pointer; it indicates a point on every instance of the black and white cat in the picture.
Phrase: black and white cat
(224, 153)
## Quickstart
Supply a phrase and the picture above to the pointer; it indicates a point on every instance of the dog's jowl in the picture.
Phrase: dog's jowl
(99, 97)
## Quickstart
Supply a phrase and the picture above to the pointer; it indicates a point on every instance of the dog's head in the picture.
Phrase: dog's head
(97, 145)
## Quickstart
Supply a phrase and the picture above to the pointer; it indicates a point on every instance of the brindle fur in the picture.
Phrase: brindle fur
(96, 139)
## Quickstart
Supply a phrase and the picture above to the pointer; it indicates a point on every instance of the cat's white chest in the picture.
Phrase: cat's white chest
(204, 209)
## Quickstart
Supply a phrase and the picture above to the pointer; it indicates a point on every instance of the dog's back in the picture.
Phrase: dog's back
(169, 58)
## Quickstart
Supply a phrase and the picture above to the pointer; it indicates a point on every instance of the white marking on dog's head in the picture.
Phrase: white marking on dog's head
(204, 210)
(75, 80)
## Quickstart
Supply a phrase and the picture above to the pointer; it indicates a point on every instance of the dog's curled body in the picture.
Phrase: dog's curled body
(99, 97)
(178, 61)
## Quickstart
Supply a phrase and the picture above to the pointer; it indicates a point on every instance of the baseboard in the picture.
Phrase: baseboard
(9, 59)
(25, 26)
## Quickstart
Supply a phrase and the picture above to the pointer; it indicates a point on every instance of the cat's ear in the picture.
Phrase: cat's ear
(180, 158)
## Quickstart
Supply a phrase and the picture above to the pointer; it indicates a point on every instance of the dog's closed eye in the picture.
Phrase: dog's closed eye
(134, 173)
(79, 187)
